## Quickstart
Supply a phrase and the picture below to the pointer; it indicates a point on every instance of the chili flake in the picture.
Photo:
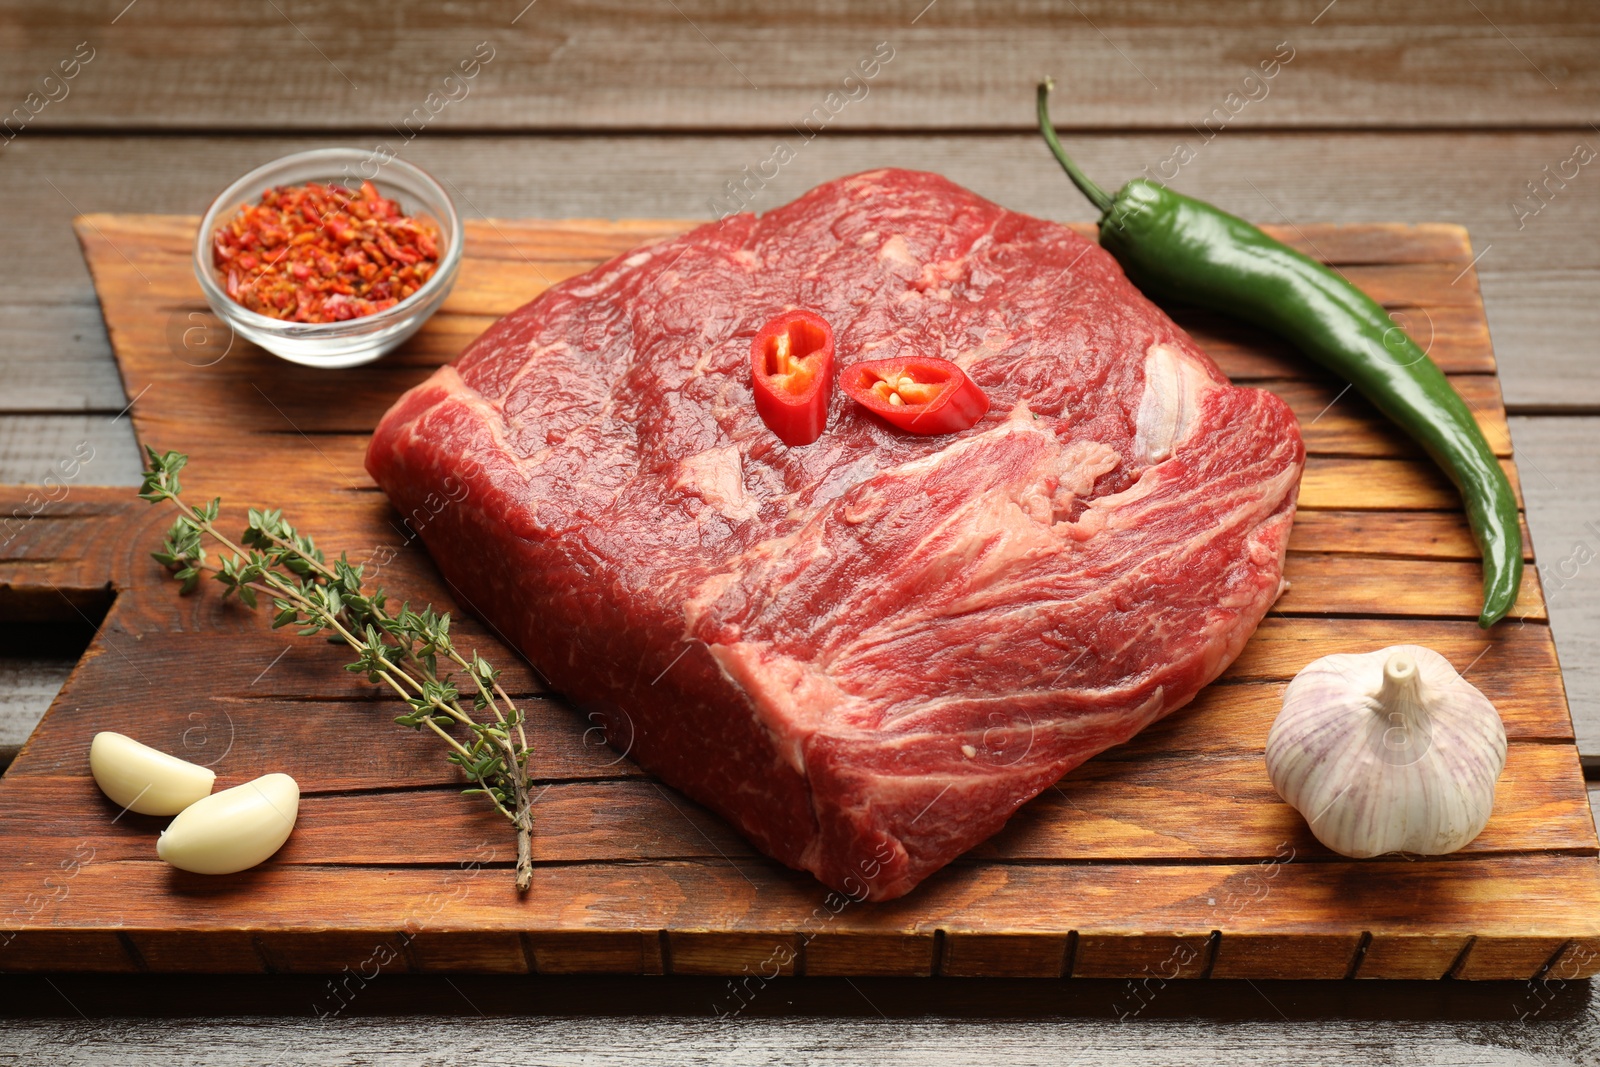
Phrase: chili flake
(320, 253)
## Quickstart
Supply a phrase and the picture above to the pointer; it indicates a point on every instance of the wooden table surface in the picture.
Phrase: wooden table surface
(1479, 112)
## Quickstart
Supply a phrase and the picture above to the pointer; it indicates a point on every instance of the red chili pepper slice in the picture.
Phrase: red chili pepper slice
(791, 374)
(921, 394)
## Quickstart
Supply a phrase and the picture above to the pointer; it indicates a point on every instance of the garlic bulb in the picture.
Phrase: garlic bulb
(145, 779)
(1390, 751)
(234, 829)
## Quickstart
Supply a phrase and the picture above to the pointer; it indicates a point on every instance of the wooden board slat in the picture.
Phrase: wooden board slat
(1565, 485)
(1541, 287)
(738, 913)
(1137, 804)
(1368, 585)
(232, 710)
(1382, 484)
(563, 65)
(1171, 844)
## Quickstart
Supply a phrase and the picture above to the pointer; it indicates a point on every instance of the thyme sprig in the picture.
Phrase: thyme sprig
(402, 650)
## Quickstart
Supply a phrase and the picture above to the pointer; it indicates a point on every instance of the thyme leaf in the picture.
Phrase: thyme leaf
(402, 650)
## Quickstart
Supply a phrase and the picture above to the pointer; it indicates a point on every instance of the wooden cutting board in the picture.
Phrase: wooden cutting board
(1169, 856)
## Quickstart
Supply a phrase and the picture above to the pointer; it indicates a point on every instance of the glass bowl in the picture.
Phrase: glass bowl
(353, 341)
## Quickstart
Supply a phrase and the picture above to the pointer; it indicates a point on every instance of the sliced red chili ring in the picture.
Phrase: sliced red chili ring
(921, 394)
(791, 375)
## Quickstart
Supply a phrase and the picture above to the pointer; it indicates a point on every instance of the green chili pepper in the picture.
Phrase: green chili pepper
(1184, 249)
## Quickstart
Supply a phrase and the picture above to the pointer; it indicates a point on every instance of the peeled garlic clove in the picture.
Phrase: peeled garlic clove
(233, 830)
(144, 779)
(1389, 751)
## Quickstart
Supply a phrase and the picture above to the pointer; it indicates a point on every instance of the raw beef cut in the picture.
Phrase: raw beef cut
(866, 652)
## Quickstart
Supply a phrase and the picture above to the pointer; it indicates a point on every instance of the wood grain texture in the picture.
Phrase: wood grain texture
(1564, 498)
(1138, 804)
(56, 359)
(631, 877)
(68, 450)
(701, 64)
(563, 1020)
(1541, 306)
(1540, 285)
(27, 686)
(1276, 918)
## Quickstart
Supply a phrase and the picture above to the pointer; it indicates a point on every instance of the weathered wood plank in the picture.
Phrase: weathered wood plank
(1539, 284)
(27, 686)
(729, 903)
(1358, 585)
(610, 827)
(227, 709)
(1320, 583)
(1420, 534)
(960, 64)
(56, 358)
(1382, 484)
(67, 450)
(1516, 657)
(1550, 319)
(1282, 1024)
(1563, 487)
(1136, 804)
(1334, 422)
(1540, 320)
(1515, 665)
(1141, 806)
(1455, 338)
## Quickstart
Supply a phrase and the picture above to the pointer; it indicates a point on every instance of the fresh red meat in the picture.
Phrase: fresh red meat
(866, 652)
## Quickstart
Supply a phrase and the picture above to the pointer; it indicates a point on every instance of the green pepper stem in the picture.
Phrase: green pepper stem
(1096, 195)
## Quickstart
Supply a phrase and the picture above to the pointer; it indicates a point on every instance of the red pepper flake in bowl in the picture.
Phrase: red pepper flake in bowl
(318, 253)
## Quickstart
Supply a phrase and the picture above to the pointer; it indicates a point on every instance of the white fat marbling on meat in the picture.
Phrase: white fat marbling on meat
(896, 255)
(622, 270)
(717, 477)
(790, 697)
(1175, 385)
